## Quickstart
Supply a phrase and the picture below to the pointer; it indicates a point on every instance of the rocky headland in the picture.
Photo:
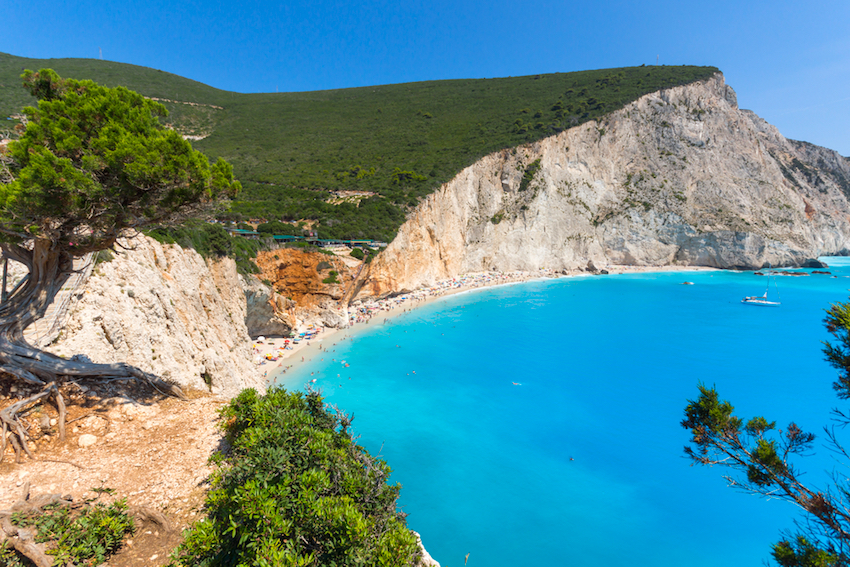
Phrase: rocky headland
(681, 177)
(678, 177)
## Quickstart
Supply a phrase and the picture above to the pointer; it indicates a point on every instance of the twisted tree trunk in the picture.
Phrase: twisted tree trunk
(49, 267)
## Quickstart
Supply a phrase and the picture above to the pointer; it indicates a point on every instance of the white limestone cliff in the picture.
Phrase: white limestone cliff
(678, 177)
(167, 311)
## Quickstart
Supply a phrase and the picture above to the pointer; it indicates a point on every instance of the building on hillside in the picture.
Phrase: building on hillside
(325, 242)
(251, 234)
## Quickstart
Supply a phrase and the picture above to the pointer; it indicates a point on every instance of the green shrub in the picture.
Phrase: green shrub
(89, 536)
(295, 489)
(331, 279)
(103, 256)
(400, 177)
(357, 253)
(277, 227)
(323, 266)
(529, 174)
(8, 556)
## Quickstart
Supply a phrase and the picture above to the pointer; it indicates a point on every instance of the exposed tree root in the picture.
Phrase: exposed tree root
(23, 541)
(49, 268)
(15, 430)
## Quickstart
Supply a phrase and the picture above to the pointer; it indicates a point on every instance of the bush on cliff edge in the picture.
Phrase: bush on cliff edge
(295, 489)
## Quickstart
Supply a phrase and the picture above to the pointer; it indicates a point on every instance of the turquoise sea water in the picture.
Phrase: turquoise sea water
(582, 463)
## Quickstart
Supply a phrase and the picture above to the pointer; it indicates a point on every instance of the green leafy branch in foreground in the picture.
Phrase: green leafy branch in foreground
(761, 455)
(90, 535)
(296, 490)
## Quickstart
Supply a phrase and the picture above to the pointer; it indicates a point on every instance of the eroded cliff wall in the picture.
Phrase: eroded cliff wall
(168, 311)
(681, 176)
(306, 293)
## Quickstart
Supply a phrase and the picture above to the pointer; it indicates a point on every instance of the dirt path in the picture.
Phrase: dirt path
(153, 451)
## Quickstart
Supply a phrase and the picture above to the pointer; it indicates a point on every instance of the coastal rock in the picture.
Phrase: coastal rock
(814, 263)
(302, 296)
(167, 311)
(267, 310)
(425, 559)
(679, 177)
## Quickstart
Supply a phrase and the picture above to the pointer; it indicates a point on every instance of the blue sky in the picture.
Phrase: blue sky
(788, 61)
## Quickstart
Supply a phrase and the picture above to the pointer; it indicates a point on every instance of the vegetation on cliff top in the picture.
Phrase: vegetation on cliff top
(394, 143)
(295, 489)
(211, 241)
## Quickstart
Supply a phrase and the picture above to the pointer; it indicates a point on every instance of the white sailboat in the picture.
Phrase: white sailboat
(762, 299)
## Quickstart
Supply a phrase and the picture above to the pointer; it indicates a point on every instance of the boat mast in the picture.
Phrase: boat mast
(767, 289)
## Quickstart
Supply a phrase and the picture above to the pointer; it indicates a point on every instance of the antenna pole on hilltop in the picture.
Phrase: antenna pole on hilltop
(101, 53)
(656, 60)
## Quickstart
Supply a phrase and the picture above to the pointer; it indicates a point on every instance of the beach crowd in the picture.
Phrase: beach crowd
(361, 311)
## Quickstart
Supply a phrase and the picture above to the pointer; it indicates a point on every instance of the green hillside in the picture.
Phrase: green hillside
(397, 141)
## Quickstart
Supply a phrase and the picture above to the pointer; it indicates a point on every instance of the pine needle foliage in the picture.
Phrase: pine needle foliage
(761, 459)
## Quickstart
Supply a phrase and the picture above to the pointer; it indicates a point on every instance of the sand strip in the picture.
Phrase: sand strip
(377, 311)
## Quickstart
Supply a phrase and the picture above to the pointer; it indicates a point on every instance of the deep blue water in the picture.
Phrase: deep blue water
(582, 464)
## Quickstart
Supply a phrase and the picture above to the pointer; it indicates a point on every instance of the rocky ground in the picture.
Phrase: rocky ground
(149, 449)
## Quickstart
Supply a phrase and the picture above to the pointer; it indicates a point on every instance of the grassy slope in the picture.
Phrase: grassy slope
(290, 148)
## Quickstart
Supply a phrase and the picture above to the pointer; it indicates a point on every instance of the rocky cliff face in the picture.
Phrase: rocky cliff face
(167, 311)
(681, 176)
(299, 281)
(267, 311)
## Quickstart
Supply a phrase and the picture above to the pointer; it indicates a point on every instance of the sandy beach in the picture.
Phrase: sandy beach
(274, 356)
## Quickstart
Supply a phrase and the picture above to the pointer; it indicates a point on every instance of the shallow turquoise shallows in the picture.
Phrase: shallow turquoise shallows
(538, 423)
